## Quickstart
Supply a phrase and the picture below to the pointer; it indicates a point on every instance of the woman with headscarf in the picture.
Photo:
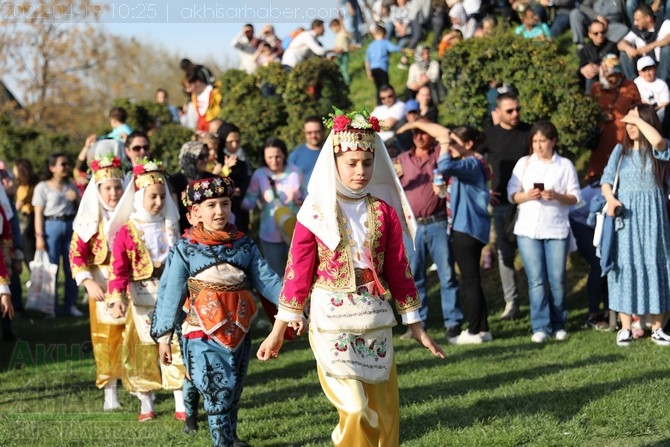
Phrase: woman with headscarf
(90, 251)
(347, 242)
(461, 22)
(140, 250)
(423, 71)
(193, 158)
(237, 167)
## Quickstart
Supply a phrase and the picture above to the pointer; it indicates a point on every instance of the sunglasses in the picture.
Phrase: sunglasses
(140, 148)
(509, 111)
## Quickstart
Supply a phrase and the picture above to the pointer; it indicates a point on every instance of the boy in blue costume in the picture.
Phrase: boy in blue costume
(218, 265)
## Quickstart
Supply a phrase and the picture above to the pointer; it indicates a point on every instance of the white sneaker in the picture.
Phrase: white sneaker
(433, 267)
(660, 338)
(560, 335)
(538, 337)
(510, 312)
(466, 338)
(486, 336)
(76, 312)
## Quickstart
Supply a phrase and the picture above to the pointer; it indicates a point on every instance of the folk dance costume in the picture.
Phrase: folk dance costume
(219, 268)
(140, 250)
(347, 250)
(6, 242)
(90, 251)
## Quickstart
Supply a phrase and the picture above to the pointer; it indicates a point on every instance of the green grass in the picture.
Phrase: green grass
(585, 391)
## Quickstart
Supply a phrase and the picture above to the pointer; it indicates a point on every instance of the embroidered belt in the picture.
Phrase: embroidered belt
(363, 276)
(196, 285)
(437, 217)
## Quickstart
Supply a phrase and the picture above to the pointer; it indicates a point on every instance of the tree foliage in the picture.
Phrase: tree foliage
(546, 84)
(270, 102)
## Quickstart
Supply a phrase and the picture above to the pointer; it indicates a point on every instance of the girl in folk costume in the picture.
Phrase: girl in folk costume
(90, 252)
(6, 248)
(348, 248)
(140, 250)
(218, 264)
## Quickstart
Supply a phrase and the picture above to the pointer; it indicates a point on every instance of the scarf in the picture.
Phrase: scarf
(199, 234)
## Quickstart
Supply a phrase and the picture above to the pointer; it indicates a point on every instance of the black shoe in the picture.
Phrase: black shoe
(190, 425)
(240, 443)
(452, 332)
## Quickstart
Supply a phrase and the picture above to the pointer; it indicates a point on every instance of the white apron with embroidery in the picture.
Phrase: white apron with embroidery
(143, 294)
(351, 333)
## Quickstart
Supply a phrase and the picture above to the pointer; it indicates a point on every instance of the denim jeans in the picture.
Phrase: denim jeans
(432, 239)
(58, 236)
(506, 255)
(544, 261)
(596, 286)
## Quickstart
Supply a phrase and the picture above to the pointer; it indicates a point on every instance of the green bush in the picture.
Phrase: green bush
(26, 142)
(546, 82)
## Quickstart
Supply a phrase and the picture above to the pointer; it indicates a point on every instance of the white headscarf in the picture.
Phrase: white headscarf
(6, 206)
(319, 211)
(131, 206)
(90, 209)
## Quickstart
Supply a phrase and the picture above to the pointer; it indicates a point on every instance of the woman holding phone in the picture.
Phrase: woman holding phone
(544, 185)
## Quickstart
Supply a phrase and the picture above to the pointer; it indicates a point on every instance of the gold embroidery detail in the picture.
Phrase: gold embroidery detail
(141, 264)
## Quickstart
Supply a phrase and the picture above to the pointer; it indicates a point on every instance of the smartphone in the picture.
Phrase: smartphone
(539, 186)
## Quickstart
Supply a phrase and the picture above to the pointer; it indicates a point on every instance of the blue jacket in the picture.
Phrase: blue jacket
(469, 195)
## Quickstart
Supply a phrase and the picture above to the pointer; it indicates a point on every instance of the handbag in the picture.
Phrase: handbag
(600, 215)
(512, 213)
(285, 218)
(42, 284)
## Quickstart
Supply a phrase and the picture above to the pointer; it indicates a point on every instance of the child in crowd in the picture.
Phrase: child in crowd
(89, 260)
(341, 48)
(347, 247)
(217, 265)
(6, 306)
(377, 58)
(653, 90)
(140, 250)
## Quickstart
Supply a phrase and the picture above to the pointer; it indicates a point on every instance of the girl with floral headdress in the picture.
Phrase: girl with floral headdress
(217, 265)
(347, 251)
(140, 250)
(90, 252)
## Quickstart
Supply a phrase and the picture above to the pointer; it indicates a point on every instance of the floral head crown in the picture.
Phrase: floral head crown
(209, 188)
(148, 172)
(107, 167)
(353, 131)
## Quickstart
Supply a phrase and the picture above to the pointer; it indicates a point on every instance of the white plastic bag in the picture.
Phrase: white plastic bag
(42, 285)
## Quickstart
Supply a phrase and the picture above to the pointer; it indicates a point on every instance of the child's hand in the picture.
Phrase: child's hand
(299, 326)
(6, 306)
(420, 335)
(270, 347)
(119, 309)
(94, 290)
(165, 354)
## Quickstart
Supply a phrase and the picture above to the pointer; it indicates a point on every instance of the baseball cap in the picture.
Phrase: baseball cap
(644, 62)
(411, 106)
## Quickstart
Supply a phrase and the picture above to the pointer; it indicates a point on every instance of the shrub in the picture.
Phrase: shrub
(546, 83)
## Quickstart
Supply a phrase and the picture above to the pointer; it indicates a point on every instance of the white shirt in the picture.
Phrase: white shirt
(543, 219)
(246, 52)
(637, 42)
(382, 112)
(656, 92)
(300, 47)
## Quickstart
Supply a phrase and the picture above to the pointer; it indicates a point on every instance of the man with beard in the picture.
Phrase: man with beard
(506, 143)
(647, 37)
(614, 95)
(593, 53)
